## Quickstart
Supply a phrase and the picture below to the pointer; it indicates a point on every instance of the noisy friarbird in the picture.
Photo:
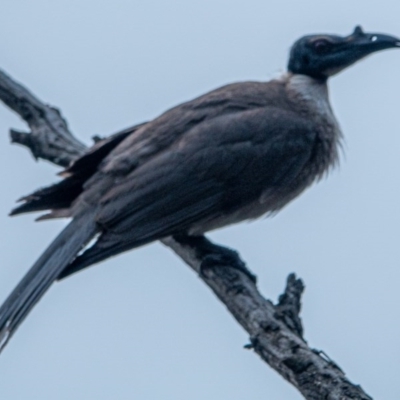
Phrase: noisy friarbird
(236, 153)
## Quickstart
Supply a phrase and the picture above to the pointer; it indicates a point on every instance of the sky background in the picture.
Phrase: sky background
(142, 325)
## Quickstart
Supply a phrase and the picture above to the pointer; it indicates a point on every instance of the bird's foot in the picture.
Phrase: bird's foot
(214, 256)
(225, 258)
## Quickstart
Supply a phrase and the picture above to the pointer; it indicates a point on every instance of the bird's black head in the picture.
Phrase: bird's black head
(321, 56)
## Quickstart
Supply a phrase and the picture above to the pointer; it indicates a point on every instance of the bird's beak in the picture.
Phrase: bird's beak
(362, 43)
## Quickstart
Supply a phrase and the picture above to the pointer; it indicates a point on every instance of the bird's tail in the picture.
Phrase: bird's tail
(61, 252)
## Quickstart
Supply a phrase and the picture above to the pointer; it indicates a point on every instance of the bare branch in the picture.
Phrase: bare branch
(50, 138)
(289, 306)
(276, 332)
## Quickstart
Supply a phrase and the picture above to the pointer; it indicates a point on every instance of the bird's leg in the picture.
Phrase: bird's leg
(213, 255)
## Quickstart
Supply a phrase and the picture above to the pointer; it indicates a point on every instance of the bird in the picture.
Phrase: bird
(239, 152)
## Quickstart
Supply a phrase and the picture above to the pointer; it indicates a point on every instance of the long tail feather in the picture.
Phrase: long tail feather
(61, 252)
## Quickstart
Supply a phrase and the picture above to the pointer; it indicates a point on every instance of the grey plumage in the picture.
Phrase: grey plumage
(246, 154)
(236, 153)
(43, 273)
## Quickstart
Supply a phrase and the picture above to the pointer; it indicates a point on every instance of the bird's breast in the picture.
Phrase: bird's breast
(311, 98)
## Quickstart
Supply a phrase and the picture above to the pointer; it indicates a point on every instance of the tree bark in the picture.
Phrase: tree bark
(275, 330)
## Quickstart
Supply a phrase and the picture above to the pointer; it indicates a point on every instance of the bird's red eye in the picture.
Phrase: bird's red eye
(322, 46)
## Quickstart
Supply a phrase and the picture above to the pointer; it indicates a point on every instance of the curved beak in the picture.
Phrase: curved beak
(365, 43)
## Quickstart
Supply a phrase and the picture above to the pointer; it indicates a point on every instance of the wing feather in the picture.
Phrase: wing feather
(219, 167)
(233, 159)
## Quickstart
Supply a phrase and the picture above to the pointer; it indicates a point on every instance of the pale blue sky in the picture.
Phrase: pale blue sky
(142, 325)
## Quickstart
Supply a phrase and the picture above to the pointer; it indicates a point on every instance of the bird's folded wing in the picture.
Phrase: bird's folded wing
(219, 166)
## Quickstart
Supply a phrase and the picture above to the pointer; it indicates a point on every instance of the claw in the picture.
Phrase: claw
(225, 258)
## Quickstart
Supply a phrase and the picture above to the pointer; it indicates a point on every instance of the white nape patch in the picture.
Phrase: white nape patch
(90, 244)
(314, 92)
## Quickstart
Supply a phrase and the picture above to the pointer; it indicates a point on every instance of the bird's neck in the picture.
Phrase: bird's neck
(311, 99)
(309, 92)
